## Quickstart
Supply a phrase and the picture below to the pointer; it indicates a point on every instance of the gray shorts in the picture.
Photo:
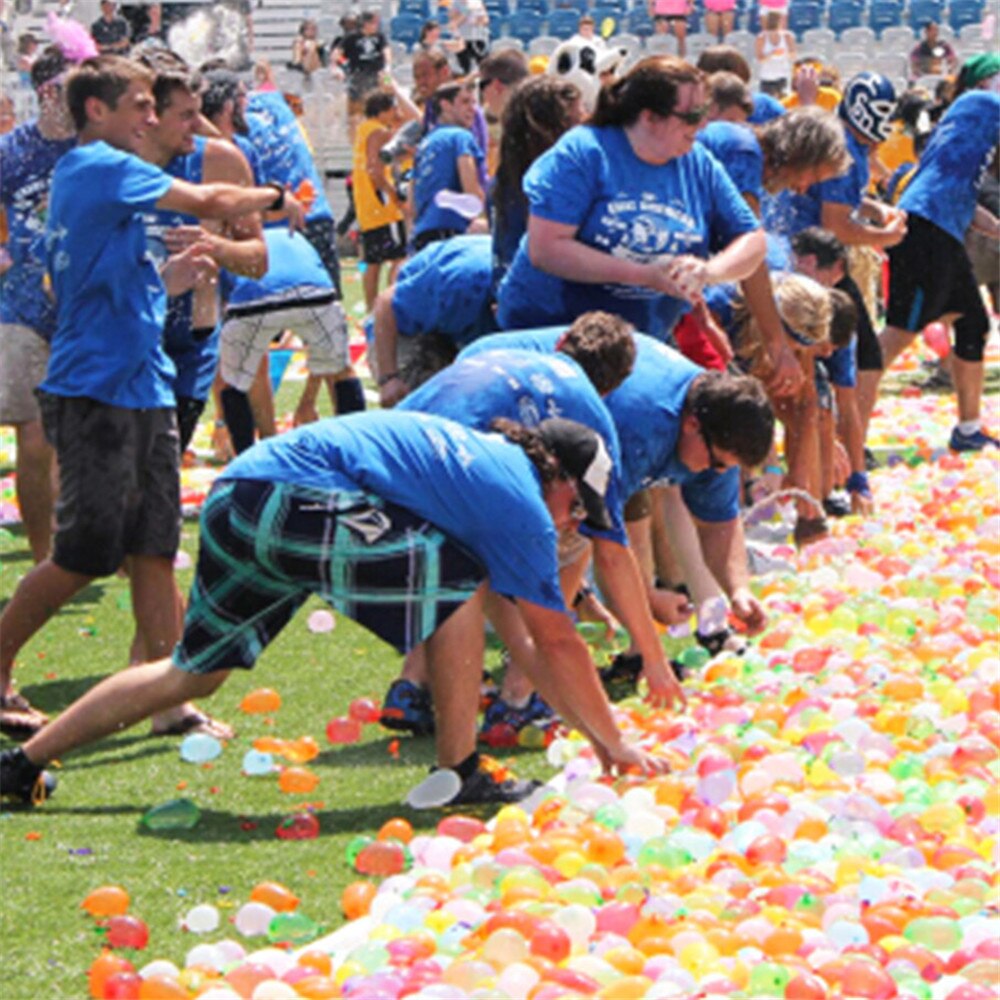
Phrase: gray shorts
(248, 331)
(24, 356)
(119, 483)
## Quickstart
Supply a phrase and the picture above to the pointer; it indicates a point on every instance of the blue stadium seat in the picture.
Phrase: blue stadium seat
(619, 5)
(421, 8)
(605, 11)
(535, 6)
(638, 22)
(802, 17)
(963, 12)
(526, 24)
(496, 9)
(580, 6)
(405, 28)
(843, 15)
(884, 14)
(563, 23)
(922, 11)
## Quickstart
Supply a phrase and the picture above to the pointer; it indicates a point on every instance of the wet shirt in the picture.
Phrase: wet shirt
(735, 146)
(436, 169)
(479, 489)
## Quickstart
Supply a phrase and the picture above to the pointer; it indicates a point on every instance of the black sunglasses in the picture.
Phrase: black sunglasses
(693, 117)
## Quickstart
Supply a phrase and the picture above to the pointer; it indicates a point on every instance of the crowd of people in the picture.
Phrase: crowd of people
(598, 301)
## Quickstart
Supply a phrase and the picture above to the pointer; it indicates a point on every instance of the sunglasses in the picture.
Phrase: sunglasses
(484, 82)
(693, 117)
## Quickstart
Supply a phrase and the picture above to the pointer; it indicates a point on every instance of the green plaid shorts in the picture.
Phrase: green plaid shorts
(266, 547)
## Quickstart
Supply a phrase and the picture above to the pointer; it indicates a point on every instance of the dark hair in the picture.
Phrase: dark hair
(804, 138)
(530, 441)
(448, 92)
(603, 346)
(48, 66)
(821, 244)
(844, 318)
(221, 85)
(650, 85)
(727, 90)
(508, 66)
(734, 413)
(431, 353)
(368, 16)
(172, 73)
(104, 77)
(426, 28)
(724, 57)
(538, 112)
(377, 101)
(436, 56)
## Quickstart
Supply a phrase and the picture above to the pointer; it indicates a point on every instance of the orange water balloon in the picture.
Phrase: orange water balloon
(106, 901)
(261, 701)
(275, 895)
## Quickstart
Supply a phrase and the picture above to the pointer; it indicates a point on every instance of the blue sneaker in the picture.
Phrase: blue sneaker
(407, 707)
(976, 441)
(500, 712)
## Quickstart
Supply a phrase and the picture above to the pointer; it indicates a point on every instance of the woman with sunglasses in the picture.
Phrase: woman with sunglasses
(625, 210)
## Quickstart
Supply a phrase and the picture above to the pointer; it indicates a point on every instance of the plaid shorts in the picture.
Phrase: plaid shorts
(265, 548)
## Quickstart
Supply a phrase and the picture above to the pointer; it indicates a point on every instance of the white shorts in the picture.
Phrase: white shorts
(24, 356)
(249, 330)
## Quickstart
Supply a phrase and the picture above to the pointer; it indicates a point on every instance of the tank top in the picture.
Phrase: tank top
(776, 63)
(372, 206)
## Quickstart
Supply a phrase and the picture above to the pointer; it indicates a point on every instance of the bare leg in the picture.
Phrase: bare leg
(893, 342)
(262, 400)
(867, 393)
(369, 284)
(415, 665)
(968, 376)
(455, 657)
(35, 486)
(37, 598)
(118, 702)
(521, 652)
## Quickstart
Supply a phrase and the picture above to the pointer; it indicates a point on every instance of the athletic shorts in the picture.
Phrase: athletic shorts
(119, 483)
(322, 234)
(266, 547)
(930, 275)
(249, 330)
(189, 411)
(24, 356)
(383, 243)
(639, 505)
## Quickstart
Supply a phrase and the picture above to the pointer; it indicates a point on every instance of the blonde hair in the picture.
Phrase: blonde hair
(805, 308)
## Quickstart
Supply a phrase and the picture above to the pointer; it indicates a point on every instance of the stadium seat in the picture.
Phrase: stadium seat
(665, 45)
(631, 43)
(890, 64)
(405, 28)
(421, 8)
(497, 8)
(506, 42)
(897, 39)
(638, 22)
(534, 6)
(971, 36)
(742, 41)
(963, 13)
(607, 19)
(579, 6)
(544, 45)
(884, 14)
(619, 5)
(525, 25)
(852, 63)
(696, 44)
(802, 17)
(922, 11)
(857, 40)
(563, 23)
(844, 16)
(818, 42)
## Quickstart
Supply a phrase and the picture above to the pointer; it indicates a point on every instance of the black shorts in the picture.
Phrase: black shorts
(119, 483)
(869, 351)
(429, 236)
(322, 234)
(930, 276)
(189, 411)
(266, 547)
(383, 243)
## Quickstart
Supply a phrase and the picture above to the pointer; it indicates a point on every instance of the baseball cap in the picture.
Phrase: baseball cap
(582, 453)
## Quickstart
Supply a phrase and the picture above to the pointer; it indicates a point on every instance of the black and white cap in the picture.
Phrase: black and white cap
(582, 453)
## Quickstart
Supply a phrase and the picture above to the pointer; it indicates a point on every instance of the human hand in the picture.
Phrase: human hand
(748, 610)
(626, 757)
(294, 211)
(179, 238)
(305, 413)
(589, 608)
(669, 607)
(806, 84)
(681, 276)
(665, 690)
(392, 392)
(786, 378)
(192, 266)
(222, 445)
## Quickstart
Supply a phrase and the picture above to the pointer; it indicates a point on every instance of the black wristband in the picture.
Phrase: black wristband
(279, 202)
(581, 595)
(386, 378)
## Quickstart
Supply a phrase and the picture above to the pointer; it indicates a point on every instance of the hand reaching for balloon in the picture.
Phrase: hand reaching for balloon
(665, 690)
(682, 277)
(626, 757)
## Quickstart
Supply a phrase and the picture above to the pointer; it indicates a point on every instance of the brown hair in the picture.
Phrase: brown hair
(734, 414)
(803, 138)
(724, 57)
(103, 77)
(530, 441)
(650, 85)
(727, 90)
(603, 346)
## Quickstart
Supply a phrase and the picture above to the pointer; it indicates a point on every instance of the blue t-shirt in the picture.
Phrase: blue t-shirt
(281, 145)
(954, 163)
(765, 108)
(27, 159)
(528, 387)
(111, 303)
(292, 263)
(479, 489)
(735, 146)
(592, 180)
(446, 289)
(788, 213)
(194, 358)
(646, 409)
(435, 169)
(842, 366)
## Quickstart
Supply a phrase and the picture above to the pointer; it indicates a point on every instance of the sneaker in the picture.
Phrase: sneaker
(407, 707)
(500, 712)
(976, 441)
(837, 505)
(23, 781)
(491, 784)
(621, 675)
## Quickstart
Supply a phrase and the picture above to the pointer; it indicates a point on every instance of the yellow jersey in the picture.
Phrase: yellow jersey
(373, 207)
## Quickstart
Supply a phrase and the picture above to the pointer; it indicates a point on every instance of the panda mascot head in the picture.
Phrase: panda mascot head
(584, 65)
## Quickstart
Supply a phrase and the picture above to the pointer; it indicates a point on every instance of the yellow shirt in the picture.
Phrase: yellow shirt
(827, 98)
(373, 207)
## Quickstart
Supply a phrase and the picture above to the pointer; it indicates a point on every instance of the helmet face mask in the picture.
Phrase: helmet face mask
(869, 104)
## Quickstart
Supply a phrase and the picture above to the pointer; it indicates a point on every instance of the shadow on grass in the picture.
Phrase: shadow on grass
(57, 695)
(86, 601)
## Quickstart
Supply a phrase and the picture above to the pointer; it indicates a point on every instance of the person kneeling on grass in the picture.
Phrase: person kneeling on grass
(400, 521)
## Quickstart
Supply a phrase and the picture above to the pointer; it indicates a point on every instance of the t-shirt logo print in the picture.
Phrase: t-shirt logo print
(370, 524)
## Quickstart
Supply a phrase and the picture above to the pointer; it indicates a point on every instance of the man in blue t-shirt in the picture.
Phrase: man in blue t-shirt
(397, 520)
(445, 169)
(28, 155)
(931, 276)
(678, 423)
(107, 399)
(439, 302)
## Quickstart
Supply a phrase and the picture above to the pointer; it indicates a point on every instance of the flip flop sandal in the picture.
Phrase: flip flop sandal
(19, 719)
(196, 722)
